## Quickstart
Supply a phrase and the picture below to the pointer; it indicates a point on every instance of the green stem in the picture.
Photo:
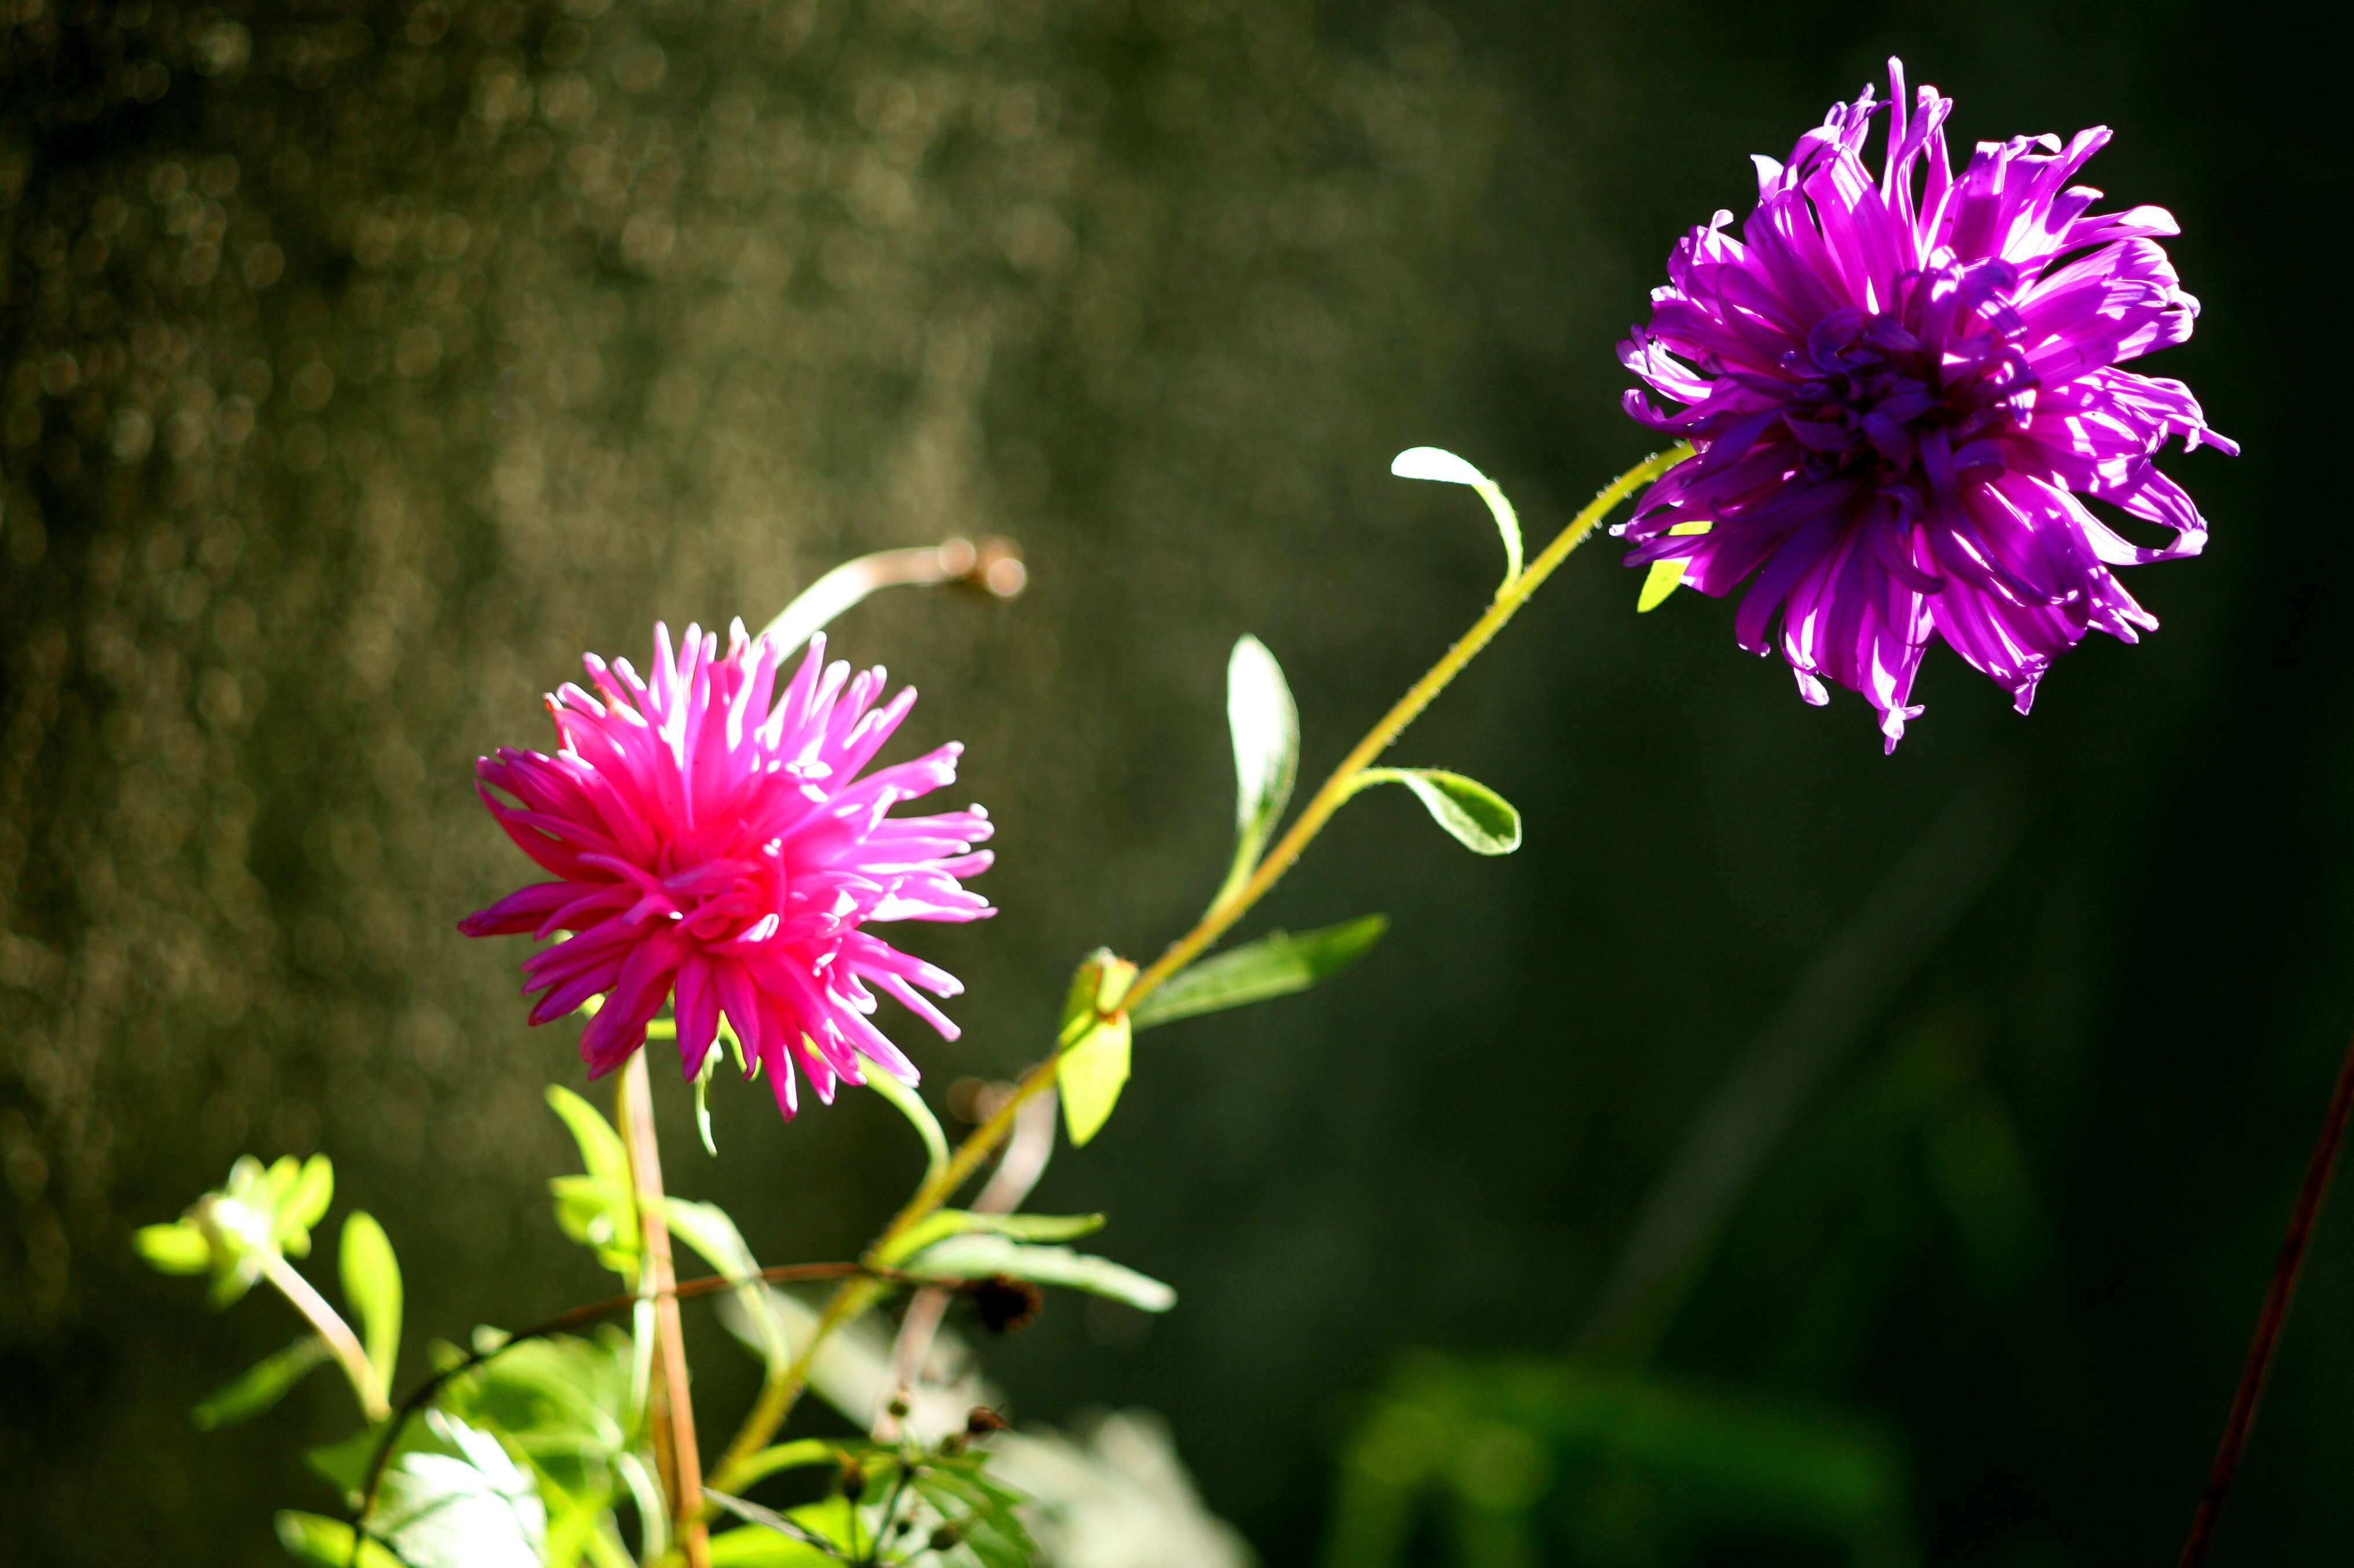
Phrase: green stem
(854, 1297)
(341, 1342)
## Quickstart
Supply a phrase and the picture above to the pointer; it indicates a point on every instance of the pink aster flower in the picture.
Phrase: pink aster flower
(1903, 393)
(712, 837)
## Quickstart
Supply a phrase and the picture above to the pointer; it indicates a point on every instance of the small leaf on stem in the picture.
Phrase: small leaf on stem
(262, 1385)
(1275, 965)
(977, 1255)
(1265, 725)
(1444, 467)
(372, 1285)
(1481, 820)
(1095, 1039)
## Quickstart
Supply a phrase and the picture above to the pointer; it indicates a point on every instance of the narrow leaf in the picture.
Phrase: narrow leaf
(176, 1249)
(1265, 725)
(602, 1154)
(327, 1542)
(946, 1222)
(1094, 1039)
(372, 1285)
(1481, 820)
(1665, 577)
(262, 1385)
(304, 1204)
(702, 1098)
(977, 1257)
(1275, 965)
(1445, 468)
(919, 1117)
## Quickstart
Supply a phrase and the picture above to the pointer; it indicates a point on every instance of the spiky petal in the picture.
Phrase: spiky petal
(713, 838)
(1902, 391)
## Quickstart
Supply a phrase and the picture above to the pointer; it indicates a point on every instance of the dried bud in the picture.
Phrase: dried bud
(852, 1479)
(946, 1538)
(985, 1420)
(1005, 1303)
(899, 1406)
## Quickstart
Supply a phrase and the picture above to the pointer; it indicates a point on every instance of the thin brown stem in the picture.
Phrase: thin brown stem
(2275, 1313)
(670, 1409)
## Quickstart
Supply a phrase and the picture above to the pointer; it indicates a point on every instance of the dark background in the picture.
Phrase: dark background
(363, 365)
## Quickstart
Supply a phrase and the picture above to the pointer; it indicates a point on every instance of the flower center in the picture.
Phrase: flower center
(1874, 399)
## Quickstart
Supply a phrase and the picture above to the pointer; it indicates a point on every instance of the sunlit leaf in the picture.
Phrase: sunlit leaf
(327, 1542)
(787, 1540)
(977, 1255)
(948, 1222)
(1445, 468)
(707, 1229)
(919, 1115)
(1479, 819)
(1095, 1039)
(1275, 965)
(372, 1285)
(176, 1249)
(750, 1546)
(702, 1098)
(1265, 725)
(602, 1153)
(799, 1454)
(262, 1385)
(468, 1505)
(1665, 577)
(301, 1201)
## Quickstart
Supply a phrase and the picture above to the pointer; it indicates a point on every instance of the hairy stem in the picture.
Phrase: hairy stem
(673, 1411)
(854, 1297)
(2275, 1313)
(342, 1343)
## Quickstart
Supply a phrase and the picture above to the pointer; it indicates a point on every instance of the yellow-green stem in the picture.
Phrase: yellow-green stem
(855, 1295)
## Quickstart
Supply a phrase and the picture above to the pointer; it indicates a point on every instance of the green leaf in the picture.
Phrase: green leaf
(975, 1256)
(1095, 1039)
(707, 1229)
(1265, 724)
(303, 1202)
(261, 1386)
(1275, 965)
(787, 1540)
(1665, 577)
(703, 1096)
(466, 1505)
(946, 1222)
(372, 1285)
(602, 1153)
(799, 1454)
(327, 1542)
(1444, 467)
(750, 1546)
(176, 1249)
(910, 1105)
(598, 1213)
(1481, 820)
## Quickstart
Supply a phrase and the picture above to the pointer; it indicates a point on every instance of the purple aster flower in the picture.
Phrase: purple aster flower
(1903, 392)
(712, 836)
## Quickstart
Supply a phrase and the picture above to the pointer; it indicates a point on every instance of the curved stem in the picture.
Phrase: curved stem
(341, 1342)
(854, 1297)
(1336, 788)
(2275, 1313)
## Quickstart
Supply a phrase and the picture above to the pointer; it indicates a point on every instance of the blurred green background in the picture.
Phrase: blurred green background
(365, 364)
